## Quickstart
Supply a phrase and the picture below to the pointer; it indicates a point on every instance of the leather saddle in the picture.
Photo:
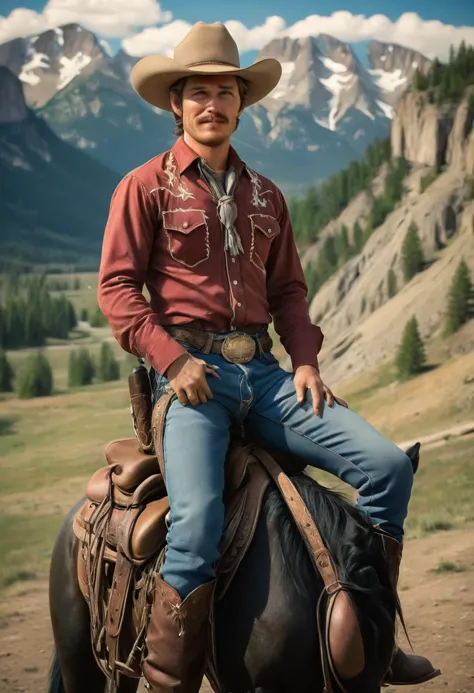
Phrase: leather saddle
(121, 529)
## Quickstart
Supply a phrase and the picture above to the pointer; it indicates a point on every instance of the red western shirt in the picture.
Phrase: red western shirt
(163, 231)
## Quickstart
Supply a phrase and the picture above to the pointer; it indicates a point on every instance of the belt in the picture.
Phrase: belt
(235, 347)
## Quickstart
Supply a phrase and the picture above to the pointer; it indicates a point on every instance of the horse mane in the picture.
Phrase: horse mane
(355, 550)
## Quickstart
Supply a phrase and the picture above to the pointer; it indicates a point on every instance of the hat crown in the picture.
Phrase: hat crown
(207, 43)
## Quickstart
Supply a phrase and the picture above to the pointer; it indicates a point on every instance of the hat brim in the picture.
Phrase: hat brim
(152, 77)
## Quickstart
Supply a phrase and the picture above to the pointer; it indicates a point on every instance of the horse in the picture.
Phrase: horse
(267, 640)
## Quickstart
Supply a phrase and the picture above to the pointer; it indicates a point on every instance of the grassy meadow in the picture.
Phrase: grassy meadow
(50, 446)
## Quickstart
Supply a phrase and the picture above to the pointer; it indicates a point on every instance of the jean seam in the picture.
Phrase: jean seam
(302, 435)
(244, 403)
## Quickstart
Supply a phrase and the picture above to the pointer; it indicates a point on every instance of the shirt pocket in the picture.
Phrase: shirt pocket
(188, 235)
(264, 229)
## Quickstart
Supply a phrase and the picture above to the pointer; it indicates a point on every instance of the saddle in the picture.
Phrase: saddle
(121, 530)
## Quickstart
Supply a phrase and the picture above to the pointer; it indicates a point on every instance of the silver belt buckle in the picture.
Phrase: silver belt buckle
(238, 347)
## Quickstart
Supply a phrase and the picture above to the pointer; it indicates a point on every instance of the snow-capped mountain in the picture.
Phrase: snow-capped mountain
(46, 63)
(392, 69)
(333, 99)
(333, 80)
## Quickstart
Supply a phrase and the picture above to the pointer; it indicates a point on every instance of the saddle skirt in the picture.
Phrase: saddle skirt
(121, 530)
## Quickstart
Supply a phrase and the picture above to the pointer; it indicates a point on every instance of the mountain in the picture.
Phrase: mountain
(348, 91)
(45, 64)
(333, 99)
(361, 322)
(53, 198)
(100, 114)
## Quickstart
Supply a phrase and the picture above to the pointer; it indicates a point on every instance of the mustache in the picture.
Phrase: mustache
(214, 118)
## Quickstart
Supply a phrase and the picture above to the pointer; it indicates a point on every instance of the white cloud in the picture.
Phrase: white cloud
(155, 39)
(163, 39)
(22, 22)
(121, 18)
(111, 18)
(432, 38)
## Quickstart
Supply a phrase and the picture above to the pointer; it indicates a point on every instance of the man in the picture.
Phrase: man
(213, 242)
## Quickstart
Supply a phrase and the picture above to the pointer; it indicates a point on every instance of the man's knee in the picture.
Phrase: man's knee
(397, 472)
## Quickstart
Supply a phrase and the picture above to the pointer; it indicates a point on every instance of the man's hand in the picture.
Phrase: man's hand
(308, 378)
(187, 377)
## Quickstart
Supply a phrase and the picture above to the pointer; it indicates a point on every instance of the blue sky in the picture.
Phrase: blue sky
(428, 25)
(251, 12)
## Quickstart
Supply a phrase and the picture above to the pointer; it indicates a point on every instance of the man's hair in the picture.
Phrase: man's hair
(178, 87)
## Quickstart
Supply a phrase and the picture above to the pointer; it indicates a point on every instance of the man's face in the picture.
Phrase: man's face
(210, 108)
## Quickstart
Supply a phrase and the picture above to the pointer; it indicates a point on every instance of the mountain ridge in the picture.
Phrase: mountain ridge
(53, 198)
(322, 115)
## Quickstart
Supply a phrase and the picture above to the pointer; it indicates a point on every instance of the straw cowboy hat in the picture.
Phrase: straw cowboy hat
(207, 49)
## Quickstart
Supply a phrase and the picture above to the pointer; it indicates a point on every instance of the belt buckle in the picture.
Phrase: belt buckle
(238, 347)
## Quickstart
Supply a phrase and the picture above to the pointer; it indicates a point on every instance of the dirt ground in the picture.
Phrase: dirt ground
(439, 609)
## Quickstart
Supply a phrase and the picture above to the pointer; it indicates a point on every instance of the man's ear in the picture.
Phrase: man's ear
(175, 105)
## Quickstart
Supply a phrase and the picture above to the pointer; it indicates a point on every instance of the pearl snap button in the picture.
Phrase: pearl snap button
(235, 282)
(185, 225)
(269, 230)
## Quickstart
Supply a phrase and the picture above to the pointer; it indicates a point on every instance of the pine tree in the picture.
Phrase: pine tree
(35, 378)
(411, 351)
(86, 366)
(391, 283)
(460, 299)
(412, 253)
(6, 373)
(73, 379)
(109, 367)
(342, 245)
(81, 369)
(97, 318)
(358, 237)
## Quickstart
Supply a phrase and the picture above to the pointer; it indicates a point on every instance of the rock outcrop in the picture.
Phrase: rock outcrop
(424, 133)
(12, 102)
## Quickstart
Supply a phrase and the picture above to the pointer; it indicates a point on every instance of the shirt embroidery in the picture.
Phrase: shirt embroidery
(173, 178)
(257, 195)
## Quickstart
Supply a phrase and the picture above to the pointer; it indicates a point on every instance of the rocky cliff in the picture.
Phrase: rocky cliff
(12, 103)
(426, 134)
(362, 325)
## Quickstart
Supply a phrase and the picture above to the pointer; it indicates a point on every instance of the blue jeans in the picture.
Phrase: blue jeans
(262, 395)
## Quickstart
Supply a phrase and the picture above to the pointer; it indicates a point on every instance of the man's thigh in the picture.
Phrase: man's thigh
(340, 441)
(195, 445)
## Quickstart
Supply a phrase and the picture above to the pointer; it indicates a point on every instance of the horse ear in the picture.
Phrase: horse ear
(413, 453)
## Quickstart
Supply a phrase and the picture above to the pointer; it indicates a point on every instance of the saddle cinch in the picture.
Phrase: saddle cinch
(121, 530)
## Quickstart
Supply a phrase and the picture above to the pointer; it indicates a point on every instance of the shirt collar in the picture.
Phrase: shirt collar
(185, 156)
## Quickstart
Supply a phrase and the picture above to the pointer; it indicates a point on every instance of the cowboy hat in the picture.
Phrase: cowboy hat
(207, 49)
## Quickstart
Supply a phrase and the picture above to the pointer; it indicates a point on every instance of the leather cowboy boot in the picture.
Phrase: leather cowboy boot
(405, 669)
(177, 639)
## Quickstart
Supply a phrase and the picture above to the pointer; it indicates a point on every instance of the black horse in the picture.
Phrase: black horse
(267, 639)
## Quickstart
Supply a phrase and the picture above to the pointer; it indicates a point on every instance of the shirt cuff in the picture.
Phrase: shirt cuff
(306, 347)
(164, 352)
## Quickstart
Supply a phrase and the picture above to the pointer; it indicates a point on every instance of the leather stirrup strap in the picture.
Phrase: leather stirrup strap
(319, 554)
